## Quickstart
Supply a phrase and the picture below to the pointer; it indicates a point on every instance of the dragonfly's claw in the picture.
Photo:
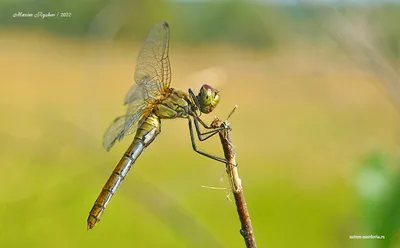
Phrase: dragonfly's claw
(215, 122)
(225, 125)
(233, 165)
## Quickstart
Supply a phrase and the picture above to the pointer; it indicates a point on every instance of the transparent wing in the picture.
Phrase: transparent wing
(152, 78)
(153, 69)
(121, 126)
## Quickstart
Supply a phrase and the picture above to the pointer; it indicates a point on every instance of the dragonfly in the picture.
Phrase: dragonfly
(150, 100)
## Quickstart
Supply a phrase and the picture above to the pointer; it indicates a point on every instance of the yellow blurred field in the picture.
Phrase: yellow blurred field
(306, 117)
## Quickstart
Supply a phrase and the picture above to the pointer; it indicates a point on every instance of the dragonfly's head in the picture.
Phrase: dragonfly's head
(207, 98)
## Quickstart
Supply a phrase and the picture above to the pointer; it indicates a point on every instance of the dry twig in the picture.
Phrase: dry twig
(236, 184)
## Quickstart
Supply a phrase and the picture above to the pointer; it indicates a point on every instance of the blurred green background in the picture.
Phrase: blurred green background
(316, 135)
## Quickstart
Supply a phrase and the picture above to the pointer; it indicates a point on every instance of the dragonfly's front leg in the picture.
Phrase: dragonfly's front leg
(222, 160)
(204, 124)
(211, 133)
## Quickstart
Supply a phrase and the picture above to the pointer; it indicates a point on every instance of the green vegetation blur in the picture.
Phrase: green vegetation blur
(316, 136)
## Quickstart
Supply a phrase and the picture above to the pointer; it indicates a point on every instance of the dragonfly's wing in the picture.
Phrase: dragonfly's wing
(121, 126)
(152, 78)
(153, 70)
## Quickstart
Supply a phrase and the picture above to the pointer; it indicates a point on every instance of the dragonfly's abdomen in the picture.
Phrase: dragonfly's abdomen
(147, 131)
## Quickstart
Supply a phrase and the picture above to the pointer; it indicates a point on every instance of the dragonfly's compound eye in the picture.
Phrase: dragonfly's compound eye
(208, 98)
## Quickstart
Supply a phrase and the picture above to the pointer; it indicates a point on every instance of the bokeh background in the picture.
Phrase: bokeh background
(316, 131)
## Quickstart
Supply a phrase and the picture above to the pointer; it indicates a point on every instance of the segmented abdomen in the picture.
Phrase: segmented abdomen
(146, 133)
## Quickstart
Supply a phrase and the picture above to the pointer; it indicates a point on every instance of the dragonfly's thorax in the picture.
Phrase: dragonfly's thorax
(178, 104)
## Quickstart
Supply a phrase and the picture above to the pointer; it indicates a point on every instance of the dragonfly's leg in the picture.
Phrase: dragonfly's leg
(194, 97)
(196, 118)
(222, 160)
(202, 123)
(210, 133)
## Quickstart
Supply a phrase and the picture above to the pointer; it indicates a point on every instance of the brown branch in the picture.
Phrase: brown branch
(236, 185)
